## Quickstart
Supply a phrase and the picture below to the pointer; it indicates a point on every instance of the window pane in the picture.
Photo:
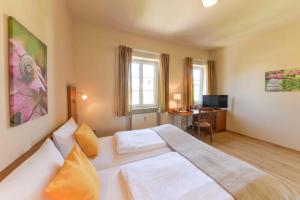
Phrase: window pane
(196, 88)
(135, 70)
(196, 96)
(198, 83)
(135, 84)
(148, 84)
(148, 70)
(196, 74)
(148, 97)
(135, 98)
(143, 83)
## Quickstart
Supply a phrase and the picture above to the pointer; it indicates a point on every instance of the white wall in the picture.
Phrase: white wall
(50, 22)
(271, 116)
(94, 59)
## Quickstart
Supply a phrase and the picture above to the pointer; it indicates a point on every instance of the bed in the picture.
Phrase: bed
(123, 175)
(108, 156)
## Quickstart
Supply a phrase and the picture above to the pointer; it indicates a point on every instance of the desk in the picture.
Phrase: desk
(218, 122)
(182, 115)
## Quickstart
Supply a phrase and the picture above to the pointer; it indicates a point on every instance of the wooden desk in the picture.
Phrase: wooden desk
(219, 119)
(218, 123)
(183, 115)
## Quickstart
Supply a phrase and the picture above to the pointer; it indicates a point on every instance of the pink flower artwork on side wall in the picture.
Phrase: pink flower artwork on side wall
(283, 80)
(27, 75)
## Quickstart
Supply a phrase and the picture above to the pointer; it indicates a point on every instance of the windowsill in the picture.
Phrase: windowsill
(144, 110)
(198, 105)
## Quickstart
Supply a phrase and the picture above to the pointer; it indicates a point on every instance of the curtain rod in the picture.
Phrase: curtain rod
(145, 51)
(200, 60)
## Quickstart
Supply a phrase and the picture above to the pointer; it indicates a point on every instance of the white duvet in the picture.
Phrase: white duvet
(169, 177)
(138, 140)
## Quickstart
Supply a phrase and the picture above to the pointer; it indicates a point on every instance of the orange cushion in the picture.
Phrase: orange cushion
(76, 179)
(87, 140)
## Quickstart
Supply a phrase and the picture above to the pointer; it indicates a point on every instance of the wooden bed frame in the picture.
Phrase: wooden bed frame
(23, 157)
(72, 102)
(72, 112)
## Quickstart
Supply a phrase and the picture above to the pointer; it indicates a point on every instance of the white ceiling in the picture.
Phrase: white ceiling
(186, 21)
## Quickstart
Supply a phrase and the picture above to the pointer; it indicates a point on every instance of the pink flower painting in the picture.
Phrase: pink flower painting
(283, 80)
(27, 75)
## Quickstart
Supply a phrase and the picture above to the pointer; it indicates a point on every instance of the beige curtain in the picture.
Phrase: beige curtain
(211, 78)
(163, 85)
(188, 91)
(124, 81)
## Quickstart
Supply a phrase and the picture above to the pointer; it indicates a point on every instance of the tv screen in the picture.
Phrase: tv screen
(215, 101)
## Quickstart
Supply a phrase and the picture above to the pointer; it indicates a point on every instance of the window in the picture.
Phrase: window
(199, 83)
(144, 84)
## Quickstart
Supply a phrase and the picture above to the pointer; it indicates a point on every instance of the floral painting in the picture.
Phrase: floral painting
(283, 80)
(27, 75)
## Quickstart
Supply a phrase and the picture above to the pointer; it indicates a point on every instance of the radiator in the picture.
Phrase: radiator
(146, 120)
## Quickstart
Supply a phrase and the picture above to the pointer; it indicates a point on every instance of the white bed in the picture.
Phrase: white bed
(159, 174)
(108, 156)
(112, 184)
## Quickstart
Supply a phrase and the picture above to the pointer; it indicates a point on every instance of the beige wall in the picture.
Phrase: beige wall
(50, 22)
(271, 116)
(94, 59)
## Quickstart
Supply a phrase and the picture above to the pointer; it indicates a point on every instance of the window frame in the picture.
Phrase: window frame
(141, 105)
(200, 67)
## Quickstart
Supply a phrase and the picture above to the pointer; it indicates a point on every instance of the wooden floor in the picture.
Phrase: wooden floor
(280, 162)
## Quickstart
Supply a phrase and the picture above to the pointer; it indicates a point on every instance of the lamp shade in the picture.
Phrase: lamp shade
(209, 3)
(84, 97)
(177, 96)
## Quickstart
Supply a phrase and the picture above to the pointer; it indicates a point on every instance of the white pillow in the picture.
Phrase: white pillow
(64, 137)
(28, 181)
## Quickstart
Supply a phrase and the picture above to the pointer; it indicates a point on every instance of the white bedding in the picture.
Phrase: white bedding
(27, 181)
(170, 176)
(138, 140)
(112, 185)
(108, 156)
(64, 137)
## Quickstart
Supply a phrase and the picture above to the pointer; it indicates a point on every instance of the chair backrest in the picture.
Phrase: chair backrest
(205, 114)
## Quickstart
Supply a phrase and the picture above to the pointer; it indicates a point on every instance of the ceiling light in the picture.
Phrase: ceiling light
(209, 3)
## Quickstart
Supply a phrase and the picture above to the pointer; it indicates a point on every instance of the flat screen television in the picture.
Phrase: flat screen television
(215, 101)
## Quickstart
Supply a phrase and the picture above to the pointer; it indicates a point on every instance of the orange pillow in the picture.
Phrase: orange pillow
(76, 179)
(87, 140)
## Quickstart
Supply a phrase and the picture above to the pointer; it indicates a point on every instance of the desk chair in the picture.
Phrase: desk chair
(204, 120)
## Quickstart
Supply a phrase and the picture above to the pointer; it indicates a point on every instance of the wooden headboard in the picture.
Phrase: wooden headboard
(72, 102)
(23, 157)
(72, 112)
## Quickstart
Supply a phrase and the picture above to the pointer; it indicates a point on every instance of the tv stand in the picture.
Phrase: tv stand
(219, 120)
